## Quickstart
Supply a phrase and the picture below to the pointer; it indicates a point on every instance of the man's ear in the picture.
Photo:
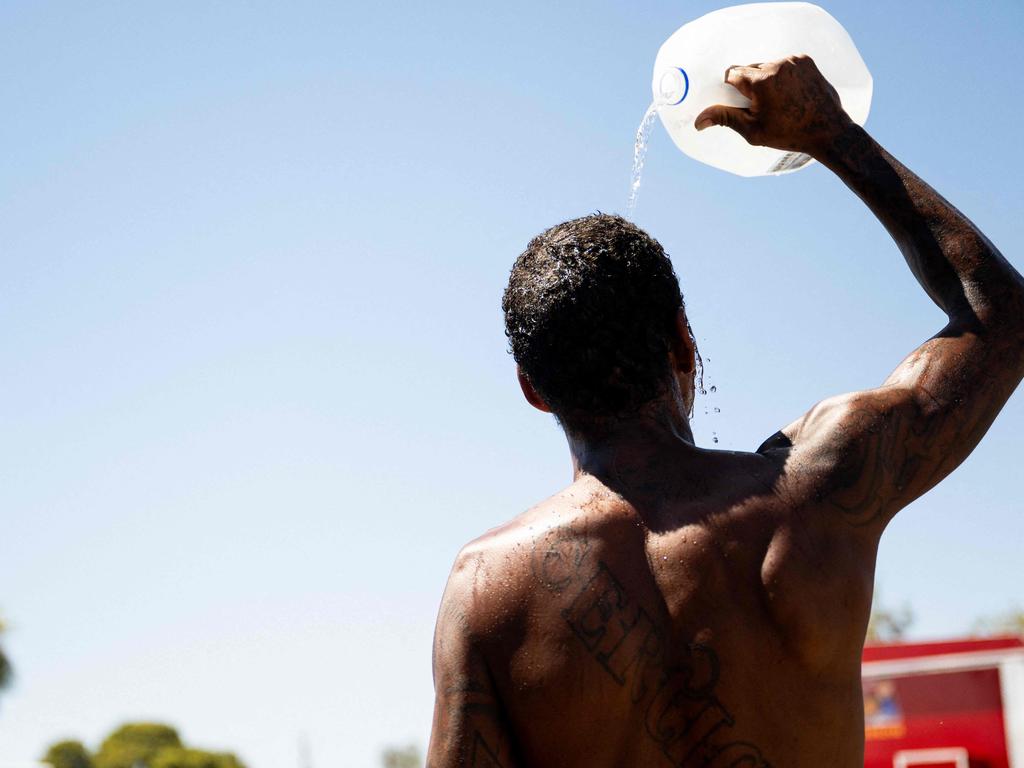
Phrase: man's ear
(684, 351)
(531, 394)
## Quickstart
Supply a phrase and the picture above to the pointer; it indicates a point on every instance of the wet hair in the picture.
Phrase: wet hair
(590, 312)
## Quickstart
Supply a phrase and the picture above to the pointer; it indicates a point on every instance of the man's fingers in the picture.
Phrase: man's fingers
(741, 78)
(737, 118)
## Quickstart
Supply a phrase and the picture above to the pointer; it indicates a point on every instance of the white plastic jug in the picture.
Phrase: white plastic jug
(689, 76)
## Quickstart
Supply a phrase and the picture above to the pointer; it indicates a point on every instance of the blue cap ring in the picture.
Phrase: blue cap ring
(686, 89)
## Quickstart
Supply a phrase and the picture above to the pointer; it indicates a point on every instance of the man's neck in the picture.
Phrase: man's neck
(632, 444)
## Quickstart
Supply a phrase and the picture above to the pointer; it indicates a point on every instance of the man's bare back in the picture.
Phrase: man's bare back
(681, 606)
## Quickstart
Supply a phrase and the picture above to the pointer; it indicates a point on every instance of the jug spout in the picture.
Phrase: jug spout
(673, 87)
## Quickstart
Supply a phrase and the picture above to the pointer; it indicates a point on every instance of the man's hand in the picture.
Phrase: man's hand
(792, 106)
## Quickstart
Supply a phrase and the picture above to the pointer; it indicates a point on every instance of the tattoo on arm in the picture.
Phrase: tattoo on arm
(884, 460)
(896, 443)
(959, 268)
(470, 728)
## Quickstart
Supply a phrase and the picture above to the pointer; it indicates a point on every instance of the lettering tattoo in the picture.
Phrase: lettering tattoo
(683, 715)
(558, 565)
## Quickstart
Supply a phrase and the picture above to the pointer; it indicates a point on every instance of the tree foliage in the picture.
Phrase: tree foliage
(139, 745)
(135, 743)
(402, 757)
(194, 758)
(68, 754)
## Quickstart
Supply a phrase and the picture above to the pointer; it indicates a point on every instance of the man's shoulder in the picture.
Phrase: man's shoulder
(487, 587)
(497, 543)
(503, 552)
(495, 576)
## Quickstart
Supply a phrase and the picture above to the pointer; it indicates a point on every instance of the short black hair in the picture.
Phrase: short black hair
(590, 315)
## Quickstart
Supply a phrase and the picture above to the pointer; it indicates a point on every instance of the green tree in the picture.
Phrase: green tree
(139, 745)
(171, 757)
(135, 744)
(68, 754)
(402, 757)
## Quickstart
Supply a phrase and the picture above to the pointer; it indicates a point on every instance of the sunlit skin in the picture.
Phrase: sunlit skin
(682, 606)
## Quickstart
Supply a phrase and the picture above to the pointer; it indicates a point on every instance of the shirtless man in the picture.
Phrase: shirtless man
(706, 609)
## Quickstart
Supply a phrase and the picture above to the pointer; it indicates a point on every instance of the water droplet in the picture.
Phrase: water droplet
(718, 410)
(714, 388)
(714, 437)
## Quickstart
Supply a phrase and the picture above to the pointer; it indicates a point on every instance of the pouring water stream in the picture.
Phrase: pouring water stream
(643, 136)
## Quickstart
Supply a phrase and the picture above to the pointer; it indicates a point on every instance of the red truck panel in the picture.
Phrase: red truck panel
(944, 705)
(953, 709)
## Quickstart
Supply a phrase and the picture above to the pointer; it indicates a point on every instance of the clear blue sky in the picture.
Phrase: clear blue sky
(256, 390)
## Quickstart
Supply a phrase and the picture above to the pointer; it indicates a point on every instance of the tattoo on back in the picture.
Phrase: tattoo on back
(682, 714)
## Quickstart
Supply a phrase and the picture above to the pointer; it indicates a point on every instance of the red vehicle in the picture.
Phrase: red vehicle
(954, 704)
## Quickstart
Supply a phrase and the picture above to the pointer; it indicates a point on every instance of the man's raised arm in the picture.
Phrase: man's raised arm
(871, 453)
